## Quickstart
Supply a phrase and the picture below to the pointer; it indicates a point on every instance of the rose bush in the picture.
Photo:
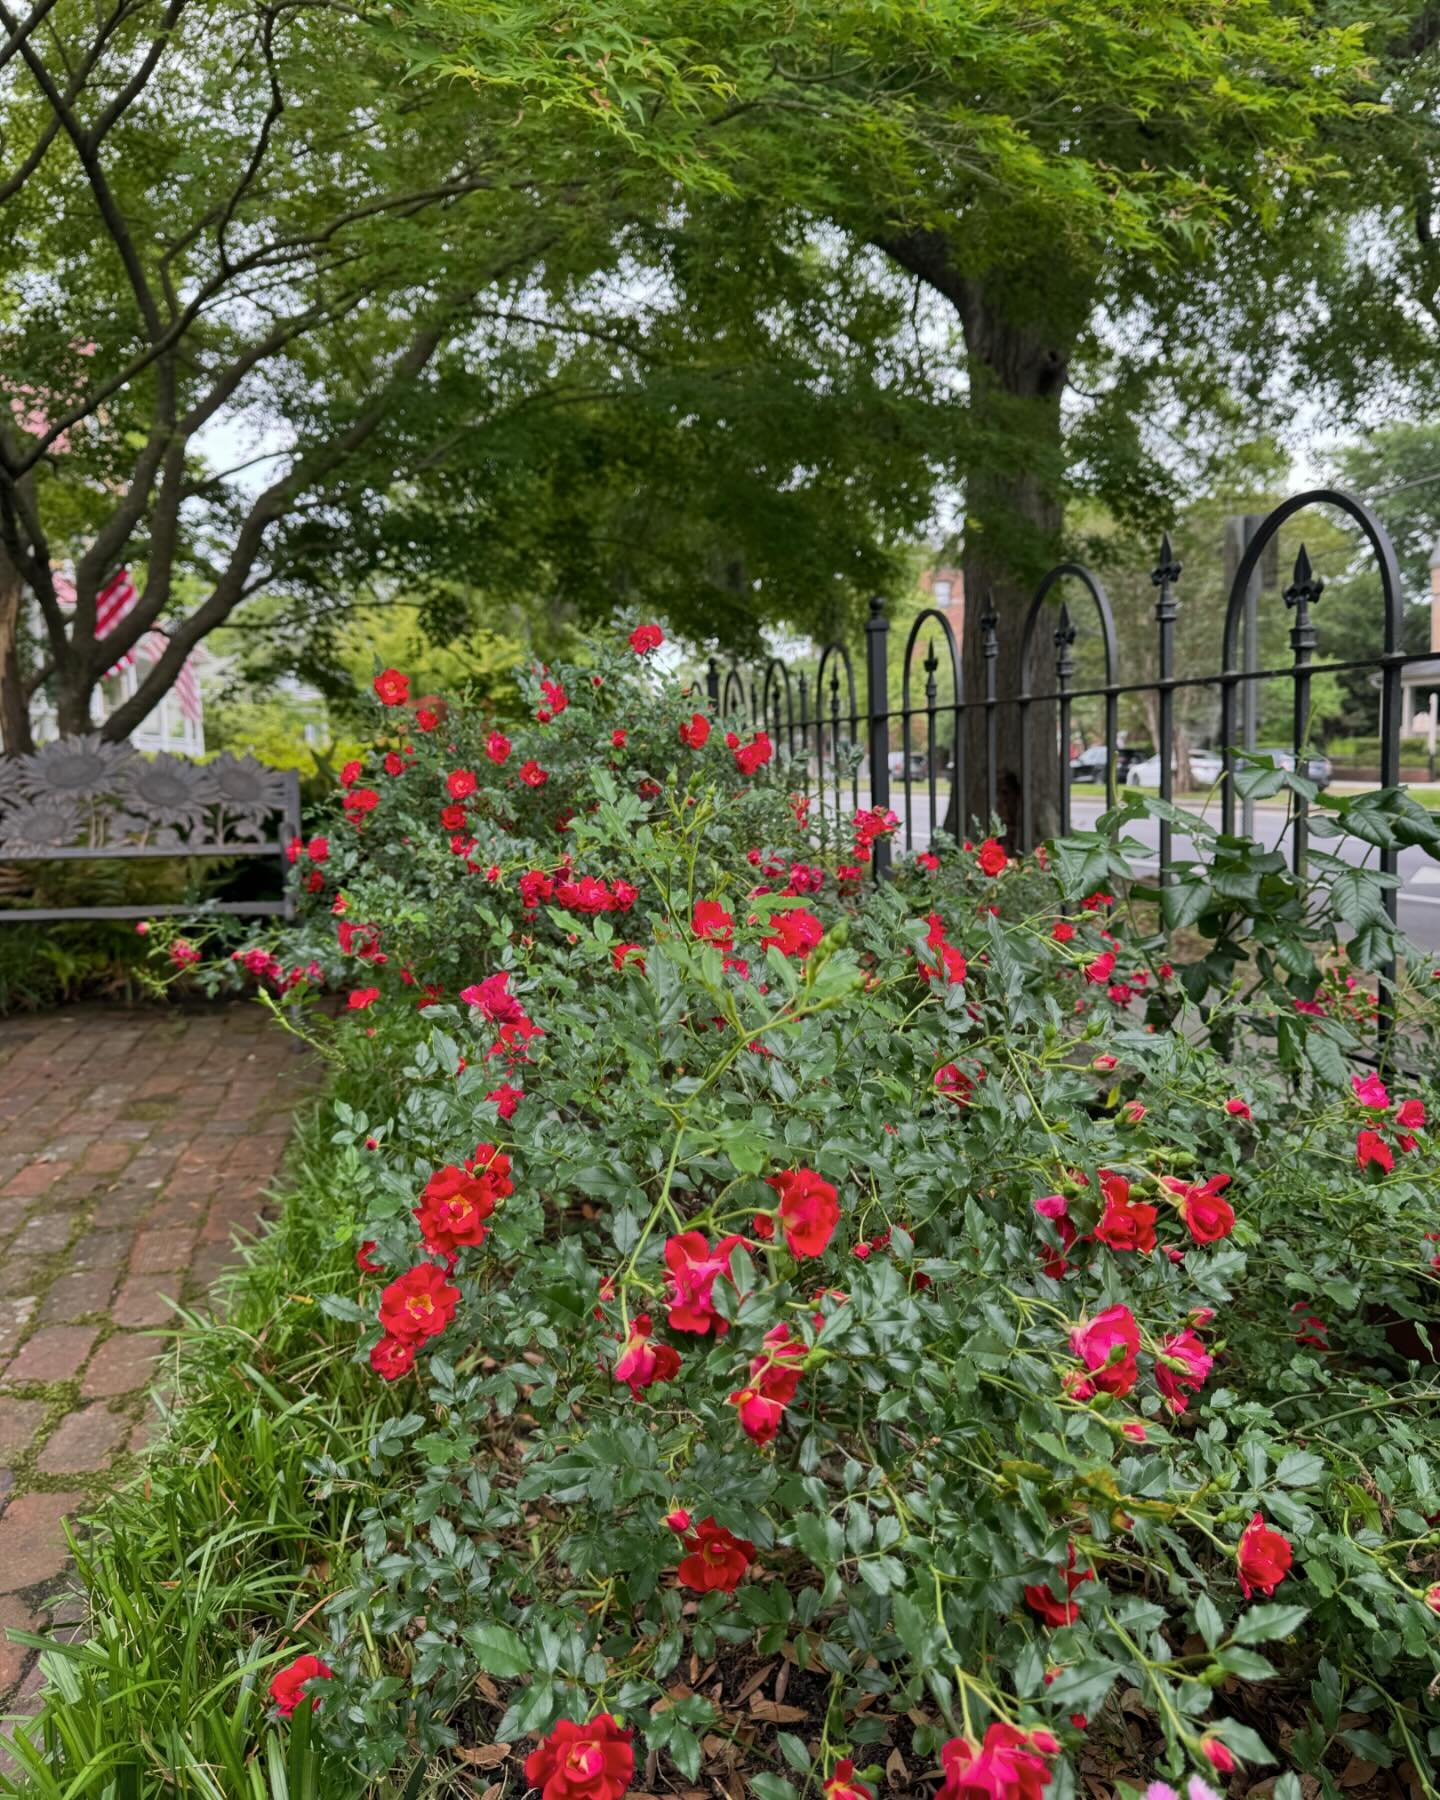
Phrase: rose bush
(827, 1325)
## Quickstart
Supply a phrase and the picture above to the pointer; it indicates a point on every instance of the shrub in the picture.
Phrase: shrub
(923, 1289)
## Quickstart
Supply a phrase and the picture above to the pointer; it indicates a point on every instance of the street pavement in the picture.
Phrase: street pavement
(1419, 901)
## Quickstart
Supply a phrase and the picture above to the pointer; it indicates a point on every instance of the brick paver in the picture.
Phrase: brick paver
(134, 1146)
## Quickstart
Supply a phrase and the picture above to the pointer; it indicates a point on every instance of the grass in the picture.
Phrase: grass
(201, 1577)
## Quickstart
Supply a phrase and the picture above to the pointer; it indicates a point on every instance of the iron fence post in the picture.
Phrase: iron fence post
(712, 684)
(1167, 609)
(877, 706)
(1304, 590)
(1064, 672)
(990, 648)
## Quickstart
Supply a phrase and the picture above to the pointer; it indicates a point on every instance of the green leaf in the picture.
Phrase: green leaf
(498, 1650)
(1300, 1468)
(1261, 1623)
(1208, 1621)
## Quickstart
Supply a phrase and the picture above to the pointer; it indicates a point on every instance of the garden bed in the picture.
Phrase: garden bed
(748, 1329)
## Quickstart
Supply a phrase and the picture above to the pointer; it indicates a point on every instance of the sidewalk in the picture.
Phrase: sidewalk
(133, 1146)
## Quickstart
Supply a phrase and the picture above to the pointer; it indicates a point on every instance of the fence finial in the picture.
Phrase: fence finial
(1306, 586)
(1168, 569)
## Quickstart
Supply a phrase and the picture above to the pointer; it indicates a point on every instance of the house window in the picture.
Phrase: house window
(942, 593)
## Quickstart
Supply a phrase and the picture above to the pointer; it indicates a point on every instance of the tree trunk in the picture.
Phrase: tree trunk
(1013, 518)
(15, 734)
(74, 692)
(1021, 326)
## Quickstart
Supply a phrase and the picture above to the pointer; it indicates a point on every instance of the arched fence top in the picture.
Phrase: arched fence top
(1092, 584)
(769, 685)
(828, 656)
(1375, 533)
(932, 615)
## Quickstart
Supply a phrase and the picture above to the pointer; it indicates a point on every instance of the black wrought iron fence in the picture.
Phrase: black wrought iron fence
(820, 720)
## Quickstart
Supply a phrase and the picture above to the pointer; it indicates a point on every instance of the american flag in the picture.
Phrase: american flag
(111, 605)
(187, 687)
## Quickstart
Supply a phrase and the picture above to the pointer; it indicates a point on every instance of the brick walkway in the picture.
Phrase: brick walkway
(133, 1145)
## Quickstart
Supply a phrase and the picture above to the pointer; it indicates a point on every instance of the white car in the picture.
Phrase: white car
(1205, 767)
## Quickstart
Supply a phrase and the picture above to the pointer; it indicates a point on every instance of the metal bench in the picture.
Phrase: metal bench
(83, 800)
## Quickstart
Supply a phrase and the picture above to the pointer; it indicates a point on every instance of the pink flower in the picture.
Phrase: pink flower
(1183, 1363)
(1107, 1345)
(1009, 1765)
(693, 1268)
(1370, 1091)
(642, 1364)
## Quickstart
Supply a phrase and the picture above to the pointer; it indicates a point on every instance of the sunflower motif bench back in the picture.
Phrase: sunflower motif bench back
(85, 801)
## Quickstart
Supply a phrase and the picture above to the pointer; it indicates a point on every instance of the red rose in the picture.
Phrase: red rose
(1263, 1558)
(1237, 1108)
(754, 755)
(363, 1262)
(418, 1304)
(645, 638)
(360, 998)
(1370, 1148)
(453, 1210)
(842, 1785)
(1042, 1601)
(1125, 1225)
(506, 1099)
(497, 746)
(794, 933)
(460, 783)
(809, 1210)
(492, 998)
(696, 734)
(622, 955)
(583, 1762)
(533, 775)
(1009, 1765)
(619, 738)
(991, 857)
(1107, 1345)
(287, 1686)
(1410, 1115)
(712, 924)
(391, 1358)
(1062, 931)
(1208, 1217)
(717, 1559)
(358, 802)
(693, 1268)
(642, 1364)
(392, 687)
(350, 774)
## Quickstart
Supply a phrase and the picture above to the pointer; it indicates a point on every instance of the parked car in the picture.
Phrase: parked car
(1316, 768)
(1205, 767)
(919, 765)
(1092, 762)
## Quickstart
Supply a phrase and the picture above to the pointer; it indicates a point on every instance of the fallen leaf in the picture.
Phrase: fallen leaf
(897, 1772)
(1356, 1772)
(775, 1713)
(483, 1756)
(757, 1680)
